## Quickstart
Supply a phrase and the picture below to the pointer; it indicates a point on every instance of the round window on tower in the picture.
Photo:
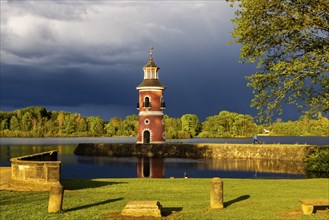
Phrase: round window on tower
(147, 121)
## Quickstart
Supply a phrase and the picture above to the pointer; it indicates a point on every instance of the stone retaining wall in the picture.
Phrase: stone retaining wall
(36, 171)
(208, 151)
(268, 152)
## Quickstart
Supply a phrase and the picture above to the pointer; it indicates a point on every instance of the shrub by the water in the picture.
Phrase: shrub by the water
(317, 163)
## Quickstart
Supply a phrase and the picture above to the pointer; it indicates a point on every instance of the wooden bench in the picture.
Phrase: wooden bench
(309, 204)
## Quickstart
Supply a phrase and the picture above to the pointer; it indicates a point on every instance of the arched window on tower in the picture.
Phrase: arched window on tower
(147, 102)
(162, 103)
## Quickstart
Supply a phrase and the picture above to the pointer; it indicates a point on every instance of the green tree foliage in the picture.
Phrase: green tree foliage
(191, 124)
(60, 119)
(27, 121)
(14, 125)
(38, 122)
(128, 126)
(69, 125)
(187, 126)
(131, 125)
(317, 163)
(4, 124)
(119, 127)
(289, 41)
(228, 124)
(113, 126)
(172, 127)
(50, 128)
(81, 124)
(95, 125)
(303, 126)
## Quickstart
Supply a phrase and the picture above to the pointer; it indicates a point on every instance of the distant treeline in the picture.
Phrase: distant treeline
(38, 122)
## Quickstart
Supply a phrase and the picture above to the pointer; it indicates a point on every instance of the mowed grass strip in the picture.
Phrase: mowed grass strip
(180, 198)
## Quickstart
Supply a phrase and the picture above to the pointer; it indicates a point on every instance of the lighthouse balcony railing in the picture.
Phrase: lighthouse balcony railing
(147, 105)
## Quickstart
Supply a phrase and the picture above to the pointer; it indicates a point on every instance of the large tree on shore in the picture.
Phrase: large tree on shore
(289, 41)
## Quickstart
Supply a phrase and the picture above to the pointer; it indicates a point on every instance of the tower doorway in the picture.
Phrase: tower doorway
(146, 137)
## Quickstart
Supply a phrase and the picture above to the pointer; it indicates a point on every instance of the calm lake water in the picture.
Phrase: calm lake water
(81, 167)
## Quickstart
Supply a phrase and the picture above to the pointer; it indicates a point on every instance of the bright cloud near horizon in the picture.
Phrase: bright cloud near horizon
(88, 56)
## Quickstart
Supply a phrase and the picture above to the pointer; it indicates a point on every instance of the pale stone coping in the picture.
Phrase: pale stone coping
(147, 113)
(23, 162)
(37, 154)
(150, 88)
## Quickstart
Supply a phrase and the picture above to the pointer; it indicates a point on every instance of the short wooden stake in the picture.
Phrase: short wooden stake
(216, 193)
(55, 199)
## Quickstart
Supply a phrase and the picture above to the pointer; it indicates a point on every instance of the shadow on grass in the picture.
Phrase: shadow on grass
(91, 205)
(167, 211)
(320, 209)
(89, 183)
(239, 199)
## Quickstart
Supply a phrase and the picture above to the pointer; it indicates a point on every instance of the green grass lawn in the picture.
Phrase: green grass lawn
(180, 198)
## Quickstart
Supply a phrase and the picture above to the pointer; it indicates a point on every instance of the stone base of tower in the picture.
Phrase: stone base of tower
(144, 140)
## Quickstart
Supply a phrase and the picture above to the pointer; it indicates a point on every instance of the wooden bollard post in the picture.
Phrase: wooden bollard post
(216, 193)
(55, 199)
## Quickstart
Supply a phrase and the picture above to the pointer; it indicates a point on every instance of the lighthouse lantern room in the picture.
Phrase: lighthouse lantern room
(150, 105)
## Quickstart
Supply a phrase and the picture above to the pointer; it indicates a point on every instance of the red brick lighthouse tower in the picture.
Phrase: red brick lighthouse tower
(151, 105)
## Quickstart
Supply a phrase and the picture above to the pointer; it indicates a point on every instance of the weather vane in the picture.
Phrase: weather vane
(151, 51)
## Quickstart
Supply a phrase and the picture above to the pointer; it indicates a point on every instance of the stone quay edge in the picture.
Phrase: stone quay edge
(197, 151)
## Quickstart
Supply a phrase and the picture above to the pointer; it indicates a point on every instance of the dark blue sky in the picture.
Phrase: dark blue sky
(88, 57)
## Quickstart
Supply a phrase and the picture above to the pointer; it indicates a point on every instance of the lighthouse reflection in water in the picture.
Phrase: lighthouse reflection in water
(175, 167)
(150, 168)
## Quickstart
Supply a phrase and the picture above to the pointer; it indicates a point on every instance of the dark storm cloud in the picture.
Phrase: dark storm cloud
(88, 57)
(206, 83)
(68, 87)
